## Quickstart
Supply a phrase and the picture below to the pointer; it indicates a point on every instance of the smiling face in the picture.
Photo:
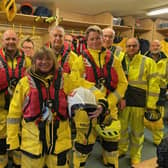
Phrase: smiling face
(108, 36)
(94, 37)
(10, 41)
(155, 47)
(44, 64)
(132, 47)
(57, 38)
(44, 61)
(94, 41)
(28, 48)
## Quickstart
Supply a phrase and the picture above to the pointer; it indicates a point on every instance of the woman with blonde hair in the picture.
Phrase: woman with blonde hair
(40, 104)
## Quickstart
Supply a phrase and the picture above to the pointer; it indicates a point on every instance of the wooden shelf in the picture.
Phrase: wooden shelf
(121, 28)
(25, 20)
(78, 25)
(163, 30)
(78, 21)
(141, 30)
(24, 23)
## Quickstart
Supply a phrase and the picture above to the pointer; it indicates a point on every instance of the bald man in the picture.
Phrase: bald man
(12, 68)
(142, 94)
(108, 37)
(155, 51)
(162, 69)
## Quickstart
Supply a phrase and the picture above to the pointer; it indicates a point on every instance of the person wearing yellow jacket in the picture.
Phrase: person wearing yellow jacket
(27, 46)
(108, 37)
(142, 94)
(98, 65)
(62, 49)
(12, 67)
(39, 104)
(162, 68)
(164, 44)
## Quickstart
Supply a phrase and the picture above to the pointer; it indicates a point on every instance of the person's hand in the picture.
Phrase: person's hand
(122, 104)
(96, 113)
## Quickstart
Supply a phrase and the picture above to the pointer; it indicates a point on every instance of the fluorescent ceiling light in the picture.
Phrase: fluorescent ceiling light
(158, 12)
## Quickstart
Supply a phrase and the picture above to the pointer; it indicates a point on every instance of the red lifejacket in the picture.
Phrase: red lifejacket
(93, 73)
(38, 95)
(7, 73)
(64, 56)
(81, 45)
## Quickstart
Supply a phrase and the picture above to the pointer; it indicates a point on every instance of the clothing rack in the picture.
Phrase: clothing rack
(19, 28)
(75, 32)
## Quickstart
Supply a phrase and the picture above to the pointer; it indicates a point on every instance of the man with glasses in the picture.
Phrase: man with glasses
(28, 47)
(142, 94)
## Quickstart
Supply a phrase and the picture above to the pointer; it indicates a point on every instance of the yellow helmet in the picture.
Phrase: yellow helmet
(109, 132)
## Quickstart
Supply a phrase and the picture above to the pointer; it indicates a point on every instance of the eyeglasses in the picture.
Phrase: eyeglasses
(28, 48)
(133, 46)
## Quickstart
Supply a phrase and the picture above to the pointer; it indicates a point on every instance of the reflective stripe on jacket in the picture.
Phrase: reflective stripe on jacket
(141, 72)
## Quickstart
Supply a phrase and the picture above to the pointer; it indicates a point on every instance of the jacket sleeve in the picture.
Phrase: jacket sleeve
(72, 58)
(15, 114)
(27, 62)
(119, 92)
(153, 84)
(75, 79)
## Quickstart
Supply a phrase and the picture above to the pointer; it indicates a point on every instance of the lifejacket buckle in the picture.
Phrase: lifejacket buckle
(49, 103)
(45, 113)
(13, 82)
(101, 82)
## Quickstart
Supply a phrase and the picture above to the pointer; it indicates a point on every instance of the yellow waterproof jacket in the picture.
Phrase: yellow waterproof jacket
(162, 68)
(3, 111)
(142, 73)
(122, 44)
(30, 133)
(119, 92)
(164, 48)
(116, 50)
(12, 63)
(71, 57)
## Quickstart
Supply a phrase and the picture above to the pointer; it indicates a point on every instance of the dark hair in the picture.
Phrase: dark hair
(27, 40)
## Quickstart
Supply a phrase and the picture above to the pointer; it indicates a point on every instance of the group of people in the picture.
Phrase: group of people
(104, 91)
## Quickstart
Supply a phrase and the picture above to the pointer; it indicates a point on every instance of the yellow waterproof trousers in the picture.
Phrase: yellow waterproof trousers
(133, 118)
(85, 139)
(3, 152)
(51, 161)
